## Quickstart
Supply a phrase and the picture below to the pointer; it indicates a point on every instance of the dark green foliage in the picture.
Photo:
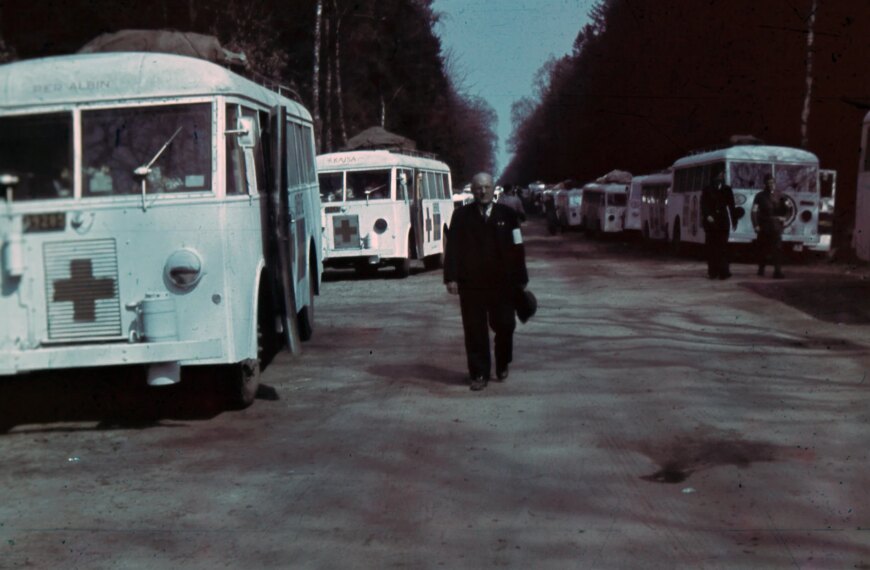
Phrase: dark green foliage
(391, 63)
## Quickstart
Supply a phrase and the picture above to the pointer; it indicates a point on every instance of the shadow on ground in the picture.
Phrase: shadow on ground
(114, 397)
(832, 298)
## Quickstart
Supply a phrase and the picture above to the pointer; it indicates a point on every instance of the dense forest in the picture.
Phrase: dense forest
(650, 80)
(376, 62)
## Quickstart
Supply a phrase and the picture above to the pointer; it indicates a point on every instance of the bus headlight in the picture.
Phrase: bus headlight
(183, 269)
(380, 226)
(739, 199)
(806, 216)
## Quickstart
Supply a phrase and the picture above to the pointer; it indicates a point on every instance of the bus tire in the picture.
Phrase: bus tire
(403, 266)
(243, 378)
(306, 315)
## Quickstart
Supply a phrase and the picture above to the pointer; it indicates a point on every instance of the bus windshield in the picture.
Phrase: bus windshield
(796, 177)
(115, 142)
(372, 183)
(38, 150)
(331, 186)
(749, 175)
(616, 199)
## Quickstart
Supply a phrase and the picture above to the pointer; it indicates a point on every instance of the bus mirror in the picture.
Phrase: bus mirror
(245, 132)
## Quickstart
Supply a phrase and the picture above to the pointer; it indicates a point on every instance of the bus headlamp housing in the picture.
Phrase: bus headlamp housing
(183, 269)
(380, 226)
(740, 199)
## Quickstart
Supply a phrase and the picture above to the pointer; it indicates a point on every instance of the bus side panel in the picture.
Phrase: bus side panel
(244, 245)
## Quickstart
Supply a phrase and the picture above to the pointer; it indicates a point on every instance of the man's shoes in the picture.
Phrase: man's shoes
(761, 272)
(724, 276)
(478, 383)
(502, 374)
(712, 276)
(778, 275)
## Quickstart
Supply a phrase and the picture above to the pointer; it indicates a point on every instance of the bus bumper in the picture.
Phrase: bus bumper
(80, 356)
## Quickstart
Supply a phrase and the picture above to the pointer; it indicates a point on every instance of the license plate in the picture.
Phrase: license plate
(51, 222)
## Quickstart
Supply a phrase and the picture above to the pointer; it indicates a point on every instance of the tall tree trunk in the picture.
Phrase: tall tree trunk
(315, 79)
(191, 12)
(327, 96)
(339, 97)
(805, 114)
(383, 112)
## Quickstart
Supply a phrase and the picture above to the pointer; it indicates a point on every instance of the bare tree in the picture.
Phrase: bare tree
(327, 96)
(315, 80)
(805, 114)
(339, 97)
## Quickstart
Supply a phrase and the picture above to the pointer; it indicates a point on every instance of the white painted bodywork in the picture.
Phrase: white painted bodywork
(603, 217)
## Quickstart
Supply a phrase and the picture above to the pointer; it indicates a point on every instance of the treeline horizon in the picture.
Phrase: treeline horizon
(649, 81)
(377, 62)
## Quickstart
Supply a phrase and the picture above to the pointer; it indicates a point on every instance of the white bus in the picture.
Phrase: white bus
(384, 207)
(652, 190)
(861, 236)
(568, 202)
(155, 210)
(795, 171)
(603, 207)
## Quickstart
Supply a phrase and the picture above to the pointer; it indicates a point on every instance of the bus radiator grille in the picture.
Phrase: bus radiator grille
(81, 289)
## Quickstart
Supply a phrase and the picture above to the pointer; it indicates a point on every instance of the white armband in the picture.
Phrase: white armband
(518, 236)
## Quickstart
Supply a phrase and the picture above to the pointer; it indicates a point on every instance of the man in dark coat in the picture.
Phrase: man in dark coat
(485, 265)
(769, 211)
(718, 217)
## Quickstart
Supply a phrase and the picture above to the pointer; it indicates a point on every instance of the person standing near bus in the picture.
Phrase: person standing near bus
(485, 265)
(769, 209)
(510, 199)
(719, 217)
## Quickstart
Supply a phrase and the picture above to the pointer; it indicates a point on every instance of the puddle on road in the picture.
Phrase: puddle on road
(684, 457)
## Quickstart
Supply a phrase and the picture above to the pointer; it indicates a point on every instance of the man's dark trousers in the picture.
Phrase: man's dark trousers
(769, 250)
(716, 243)
(483, 309)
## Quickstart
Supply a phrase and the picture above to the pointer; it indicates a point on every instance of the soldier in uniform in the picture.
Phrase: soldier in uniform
(770, 210)
(485, 265)
(718, 216)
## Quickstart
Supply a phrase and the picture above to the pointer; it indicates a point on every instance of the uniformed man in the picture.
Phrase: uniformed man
(485, 265)
(718, 217)
(769, 211)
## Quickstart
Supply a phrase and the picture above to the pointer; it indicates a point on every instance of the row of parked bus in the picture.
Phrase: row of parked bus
(163, 211)
(665, 206)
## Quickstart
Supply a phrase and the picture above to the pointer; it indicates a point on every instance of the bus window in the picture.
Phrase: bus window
(257, 170)
(404, 181)
(372, 183)
(614, 199)
(38, 149)
(331, 186)
(796, 178)
(424, 185)
(439, 184)
(432, 186)
(308, 154)
(115, 142)
(294, 176)
(237, 182)
(749, 175)
(445, 180)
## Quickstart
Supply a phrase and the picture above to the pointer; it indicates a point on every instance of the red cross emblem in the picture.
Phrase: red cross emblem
(83, 290)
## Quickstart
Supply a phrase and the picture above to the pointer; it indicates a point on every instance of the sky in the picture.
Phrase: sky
(496, 46)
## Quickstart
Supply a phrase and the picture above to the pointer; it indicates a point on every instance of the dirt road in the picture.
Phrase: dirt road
(652, 419)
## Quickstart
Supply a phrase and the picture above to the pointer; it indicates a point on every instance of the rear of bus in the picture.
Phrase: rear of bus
(616, 202)
(654, 192)
(633, 209)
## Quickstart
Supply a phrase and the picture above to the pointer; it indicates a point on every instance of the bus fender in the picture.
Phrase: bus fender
(255, 306)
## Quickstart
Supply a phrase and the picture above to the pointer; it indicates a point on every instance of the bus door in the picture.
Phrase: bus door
(417, 212)
(279, 233)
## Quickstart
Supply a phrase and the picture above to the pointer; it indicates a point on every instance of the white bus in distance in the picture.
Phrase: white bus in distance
(569, 200)
(795, 171)
(861, 236)
(384, 207)
(156, 210)
(653, 190)
(603, 207)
